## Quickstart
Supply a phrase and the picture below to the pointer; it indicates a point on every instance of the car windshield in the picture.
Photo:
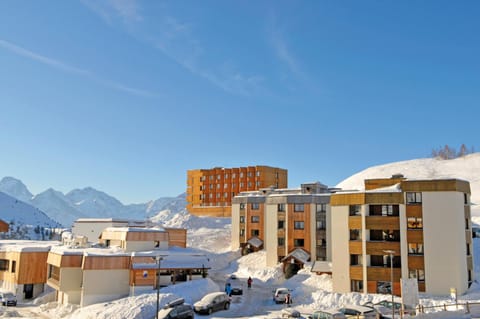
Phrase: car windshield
(8, 295)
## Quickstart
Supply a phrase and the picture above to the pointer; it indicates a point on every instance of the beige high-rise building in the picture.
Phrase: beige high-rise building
(423, 226)
(210, 191)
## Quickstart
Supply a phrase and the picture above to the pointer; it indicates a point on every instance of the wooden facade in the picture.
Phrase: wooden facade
(177, 237)
(3, 226)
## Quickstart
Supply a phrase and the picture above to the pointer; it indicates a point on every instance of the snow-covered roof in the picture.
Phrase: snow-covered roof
(388, 189)
(134, 229)
(255, 242)
(27, 245)
(299, 254)
(176, 261)
(322, 266)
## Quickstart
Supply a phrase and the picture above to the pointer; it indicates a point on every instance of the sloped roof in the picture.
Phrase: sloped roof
(255, 242)
(299, 254)
(322, 266)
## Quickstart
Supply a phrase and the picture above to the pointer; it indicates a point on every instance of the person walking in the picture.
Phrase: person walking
(228, 289)
(249, 282)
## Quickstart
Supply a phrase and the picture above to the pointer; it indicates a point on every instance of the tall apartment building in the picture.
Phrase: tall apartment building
(424, 226)
(210, 191)
(284, 221)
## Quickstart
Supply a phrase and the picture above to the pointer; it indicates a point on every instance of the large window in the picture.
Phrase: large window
(414, 223)
(298, 208)
(414, 198)
(415, 249)
(419, 274)
(281, 241)
(255, 232)
(242, 219)
(321, 224)
(281, 224)
(281, 207)
(357, 285)
(4, 263)
(384, 210)
(255, 219)
(298, 242)
(255, 206)
(321, 208)
(354, 210)
(242, 206)
(299, 225)
(355, 260)
(242, 232)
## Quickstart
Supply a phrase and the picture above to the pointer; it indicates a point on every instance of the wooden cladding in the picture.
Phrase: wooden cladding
(413, 211)
(416, 262)
(382, 222)
(177, 237)
(3, 226)
(381, 182)
(415, 236)
(347, 199)
(383, 274)
(106, 262)
(443, 185)
(384, 198)
(355, 222)
(356, 272)
(378, 248)
(355, 247)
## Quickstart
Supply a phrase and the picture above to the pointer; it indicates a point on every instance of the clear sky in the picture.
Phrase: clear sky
(126, 96)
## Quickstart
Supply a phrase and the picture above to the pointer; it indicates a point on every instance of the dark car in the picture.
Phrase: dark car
(176, 309)
(236, 290)
(212, 302)
(8, 299)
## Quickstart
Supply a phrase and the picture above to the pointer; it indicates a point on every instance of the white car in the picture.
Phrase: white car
(8, 299)
(359, 312)
(280, 295)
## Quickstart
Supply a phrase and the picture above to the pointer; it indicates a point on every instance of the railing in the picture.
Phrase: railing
(468, 307)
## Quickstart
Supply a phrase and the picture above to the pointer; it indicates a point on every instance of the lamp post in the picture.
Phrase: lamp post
(158, 259)
(391, 252)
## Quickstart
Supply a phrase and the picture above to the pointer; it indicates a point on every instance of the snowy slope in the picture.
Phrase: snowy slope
(18, 213)
(466, 168)
(15, 188)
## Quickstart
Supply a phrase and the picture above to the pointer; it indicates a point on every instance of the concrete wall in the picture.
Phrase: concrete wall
(144, 245)
(444, 242)
(94, 229)
(235, 233)
(104, 285)
(70, 279)
(340, 249)
(271, 241)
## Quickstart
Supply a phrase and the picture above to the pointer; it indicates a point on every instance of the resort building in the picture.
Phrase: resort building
(423, 227)
(3, 226)
(210, 191)
(290, 224)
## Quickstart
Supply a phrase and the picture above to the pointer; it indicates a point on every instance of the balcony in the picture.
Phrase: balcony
(382, 222)
(379, 247)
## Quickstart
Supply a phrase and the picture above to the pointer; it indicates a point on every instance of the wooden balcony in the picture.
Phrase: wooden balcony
(379, 247)
(383, 273)
(382, 222)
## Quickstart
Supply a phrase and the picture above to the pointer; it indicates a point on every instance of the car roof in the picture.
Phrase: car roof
(212, 295)
(358, 308)
(329, 311)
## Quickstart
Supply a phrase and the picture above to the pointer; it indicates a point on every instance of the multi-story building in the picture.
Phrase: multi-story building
(285, 222)
(210, 191)
(422, 226)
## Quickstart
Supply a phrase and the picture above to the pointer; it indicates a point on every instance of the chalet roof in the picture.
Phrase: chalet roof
(27, 245)
(322, 266)
(298, 254)
(255, 242)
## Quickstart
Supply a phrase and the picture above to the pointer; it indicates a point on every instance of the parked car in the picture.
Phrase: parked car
(212, 302)
(237, 290)
(384, 308)
(327, 314)
(359, 312)
(8, 299)
(280, 295)
(176, 309)
(291, 313)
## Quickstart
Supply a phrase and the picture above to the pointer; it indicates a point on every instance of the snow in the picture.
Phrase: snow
(211, 237)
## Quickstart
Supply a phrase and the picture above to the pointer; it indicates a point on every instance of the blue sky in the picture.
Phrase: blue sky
(126, 96)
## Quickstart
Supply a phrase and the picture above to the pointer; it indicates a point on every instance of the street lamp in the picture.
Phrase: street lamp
(391, 252)
(158, 259)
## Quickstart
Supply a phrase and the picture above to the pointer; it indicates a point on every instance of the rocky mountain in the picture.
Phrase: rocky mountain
(87, 203)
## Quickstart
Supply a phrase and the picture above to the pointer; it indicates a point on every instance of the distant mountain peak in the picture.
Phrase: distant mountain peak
(15, 188)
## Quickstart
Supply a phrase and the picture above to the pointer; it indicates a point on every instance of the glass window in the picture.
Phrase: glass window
(414, 198)
(321, 224)
(281, 224)
(321, 208)
(414, 223)
(4, 264)
(242, 232)
(281, 241)
(281, 207)
(354, 210)
(255, 206)
(242, 219)
(255, 219)
(298, 208)
(255, 232)
(242, 205)
(299, 225)
(415, 249)
(298, 242)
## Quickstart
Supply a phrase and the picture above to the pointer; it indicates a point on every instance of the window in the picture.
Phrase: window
(258, 173)
(355, 260)
(354, 210)
(242, 232)
(255, 206)
(255, 232)
(414, 198)
(241, 174)
(241, 184)
(357, 285)
(281, 207)
(384, 287)
(201, 188)
(255, 219)
(225, 195)
(4, 264)
(249, 184)
(321, 208)
(466, 223)
(234, 175)
(226, 175)
(468, 249)
(249, 174)
(242, 219)
(218, 176)
(417, 273)
(53, 272)
(465, 198)
(234, 185)
(211, 186)
(210, 177)
(281, 224)
(218, 186)
(225, 185)
(242, 206)
(321, 224)
(415, 249)
(414, 223)
(281, 241)
(299, 225)
(298, 242)
(355, 234)
(156, 244)
(298, 208)
(258, 184)
(218, 195)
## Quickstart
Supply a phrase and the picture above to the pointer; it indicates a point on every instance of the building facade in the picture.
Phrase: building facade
(285, 222)
(210, 191)
(423, 227)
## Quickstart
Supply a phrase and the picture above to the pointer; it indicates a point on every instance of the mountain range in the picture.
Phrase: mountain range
(86, 203)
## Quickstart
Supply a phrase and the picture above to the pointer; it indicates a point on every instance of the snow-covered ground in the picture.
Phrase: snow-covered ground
(212, 236)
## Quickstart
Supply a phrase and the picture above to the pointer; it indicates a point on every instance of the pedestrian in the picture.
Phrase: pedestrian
(249, 282)
(228, 289)
(288, 299)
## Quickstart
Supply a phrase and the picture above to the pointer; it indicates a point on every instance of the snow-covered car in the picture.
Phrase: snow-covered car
(237, 290)
(8, 299)
(327, 314)
(280, 295)
(212, 302)
(176, 309)
(291, 313)
(385, 307)
(359, 312)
